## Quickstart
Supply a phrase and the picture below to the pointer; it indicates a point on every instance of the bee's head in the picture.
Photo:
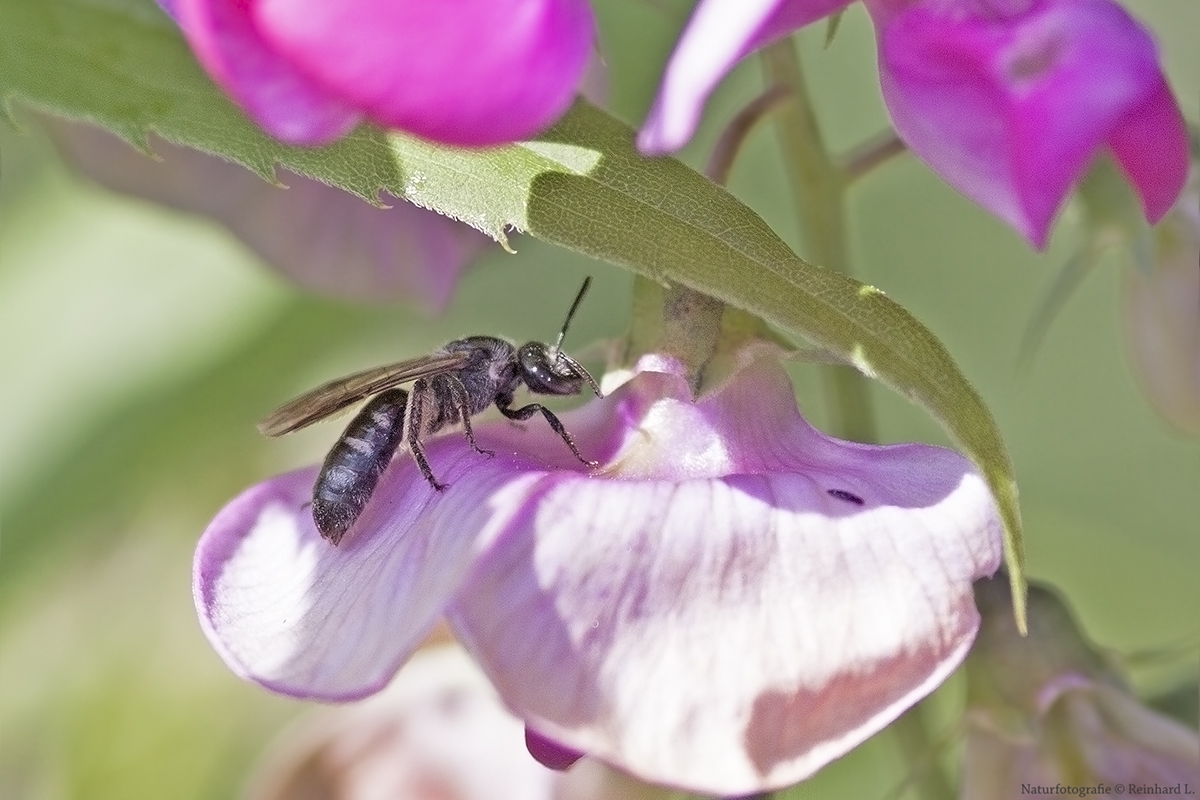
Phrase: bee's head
(547, 369)
(547, 372)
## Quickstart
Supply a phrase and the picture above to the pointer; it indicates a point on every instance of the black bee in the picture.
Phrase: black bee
(450, 385)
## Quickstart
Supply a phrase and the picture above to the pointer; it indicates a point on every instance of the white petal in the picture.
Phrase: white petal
(287, 609)
(732, 634)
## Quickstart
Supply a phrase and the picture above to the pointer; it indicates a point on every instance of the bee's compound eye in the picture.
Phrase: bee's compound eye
(545, 376)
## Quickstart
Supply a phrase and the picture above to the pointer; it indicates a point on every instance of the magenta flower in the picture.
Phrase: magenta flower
(729, 602)
(472, 73)
(322, 238)
(1007, 100)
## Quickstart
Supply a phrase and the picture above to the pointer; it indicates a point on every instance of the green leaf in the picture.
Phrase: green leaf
(664, 220)
(123, 64)
(582, 185)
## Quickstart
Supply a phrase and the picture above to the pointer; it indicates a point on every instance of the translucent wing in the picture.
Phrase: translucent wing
(330, 398)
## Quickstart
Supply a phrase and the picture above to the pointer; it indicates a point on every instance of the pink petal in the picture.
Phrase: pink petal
(719, 34)
(735, 599)
(469, 73)
(1009, 108)
(1047, 708)
(334, 243)
(288, 610)
(438, 731)
(325, 239)
(1122, 740)
(278, 96)
(1151, 145)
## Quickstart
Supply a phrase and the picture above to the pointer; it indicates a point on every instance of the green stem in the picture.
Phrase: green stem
(926, 776)
(818, 184)
(865, 158)
(735, 133)
(818, 189)
(674, 320)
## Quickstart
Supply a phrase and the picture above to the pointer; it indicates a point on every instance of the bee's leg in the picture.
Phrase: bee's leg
(464, 411)
(525, 412)
(416, 410)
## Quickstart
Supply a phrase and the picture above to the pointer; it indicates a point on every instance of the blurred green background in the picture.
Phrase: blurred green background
(140, 346)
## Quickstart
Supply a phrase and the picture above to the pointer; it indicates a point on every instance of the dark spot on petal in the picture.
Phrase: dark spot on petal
(849, 497)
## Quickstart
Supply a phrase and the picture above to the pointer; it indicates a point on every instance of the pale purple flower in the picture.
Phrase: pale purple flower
(1049, 709)
(727, 603)
(471, 73)
(1007, 100)
(1087, 733)
(322, 238)
(438, 732)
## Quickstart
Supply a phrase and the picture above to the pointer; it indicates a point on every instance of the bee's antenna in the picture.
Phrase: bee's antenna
(574, 306)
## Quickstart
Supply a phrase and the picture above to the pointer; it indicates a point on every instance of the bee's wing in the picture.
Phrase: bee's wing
(330, 398)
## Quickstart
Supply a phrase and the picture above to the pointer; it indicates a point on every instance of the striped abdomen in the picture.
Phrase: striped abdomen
(355, 463)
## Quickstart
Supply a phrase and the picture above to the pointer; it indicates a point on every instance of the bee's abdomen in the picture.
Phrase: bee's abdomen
(355, 463)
